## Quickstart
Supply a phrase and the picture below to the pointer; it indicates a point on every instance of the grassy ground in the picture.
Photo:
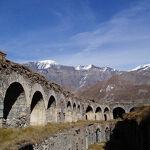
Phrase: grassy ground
(138, 114)
(9, 137)
(97, 146)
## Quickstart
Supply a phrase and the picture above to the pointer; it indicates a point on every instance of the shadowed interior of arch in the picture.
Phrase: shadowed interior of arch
(132, 109)
(74, 114)
(68, 105)
(37, 109)
(78, 108)
(51, 102)
(68, 116)
(74, 106)
(107, 134)
(118, 112)
(98, 135)
(89, 113)
(14, 103)
(106, 114)
(51, 110)
(98, 114)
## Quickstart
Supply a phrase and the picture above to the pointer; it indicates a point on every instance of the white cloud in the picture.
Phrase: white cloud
(123, 40)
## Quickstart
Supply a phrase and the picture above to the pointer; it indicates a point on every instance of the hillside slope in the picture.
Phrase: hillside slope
(128, 86)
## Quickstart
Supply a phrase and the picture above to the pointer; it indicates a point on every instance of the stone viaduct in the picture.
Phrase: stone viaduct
(27, 98)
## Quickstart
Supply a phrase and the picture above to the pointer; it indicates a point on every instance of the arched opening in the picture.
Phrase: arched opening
(86, 117)
(90, 113)
(78, 112)
(37, 110)
(98, 135)
(51, 110)
(107, 134)
(68, 105)
(98, 114)
(105, 117)
(68, 116)
(74, 107)
(74, 115)
(106, 114)
(78, 107)
(132, 109)
(118, 113)
(27, 147)
(15, 108)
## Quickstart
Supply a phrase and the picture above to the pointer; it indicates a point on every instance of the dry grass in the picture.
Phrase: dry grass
(97, 146)
(138, 114)
(9, 137)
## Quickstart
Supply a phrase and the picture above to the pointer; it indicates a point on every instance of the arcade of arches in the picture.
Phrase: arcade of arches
(15, 102)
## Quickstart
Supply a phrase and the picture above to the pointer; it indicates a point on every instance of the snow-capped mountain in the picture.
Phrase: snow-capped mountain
(46, 64)
(70, 77)
(144, 69)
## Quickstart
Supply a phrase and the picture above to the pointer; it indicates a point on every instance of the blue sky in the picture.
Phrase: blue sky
(113, 33)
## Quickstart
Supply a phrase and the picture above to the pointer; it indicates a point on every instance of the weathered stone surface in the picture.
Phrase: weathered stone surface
(25, 99)
(78, 138)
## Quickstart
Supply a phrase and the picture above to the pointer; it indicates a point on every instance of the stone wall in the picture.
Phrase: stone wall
(25, 99)
(78, 138)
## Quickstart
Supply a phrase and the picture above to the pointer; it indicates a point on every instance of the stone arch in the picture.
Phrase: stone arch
(68, 117)
(37, 109)
(12, 78)
(69, 105)
(107, 134)
(74, 114)
(118, 112)
(106, 114)
(15, 106)
(78, 108)
(51, 109)
(89, 113)
(132, 109)
(98, 135)
(37, 87)
(98, 114)
(79, 112)
(74, 107)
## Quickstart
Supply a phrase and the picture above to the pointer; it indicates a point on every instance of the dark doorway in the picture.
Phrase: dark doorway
(118, 113)
(105, 117)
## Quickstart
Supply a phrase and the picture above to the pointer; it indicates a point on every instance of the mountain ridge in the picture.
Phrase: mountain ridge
(80, 78)
(70, 77)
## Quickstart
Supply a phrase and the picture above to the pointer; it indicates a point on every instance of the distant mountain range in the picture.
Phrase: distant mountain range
(72, 78)
(98, 83)
(128, 86)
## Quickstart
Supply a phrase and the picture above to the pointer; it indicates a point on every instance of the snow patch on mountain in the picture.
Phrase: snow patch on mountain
(83, 80)
(141, 67)
(109, 88)
(104, 69)
(83, 67)
(45, 64)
